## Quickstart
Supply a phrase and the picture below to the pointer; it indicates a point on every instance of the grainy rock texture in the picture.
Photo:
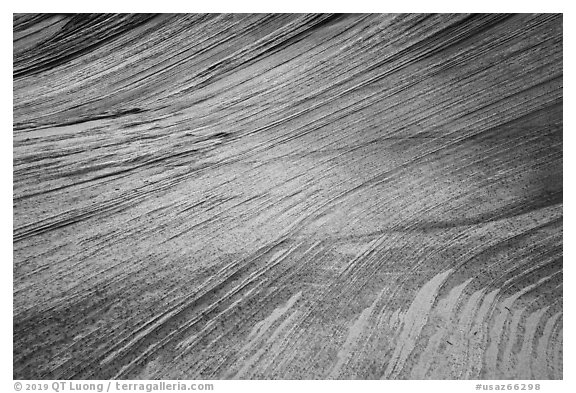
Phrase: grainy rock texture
(287, 196)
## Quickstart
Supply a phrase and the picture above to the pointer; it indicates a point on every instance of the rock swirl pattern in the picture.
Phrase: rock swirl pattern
(267, 196)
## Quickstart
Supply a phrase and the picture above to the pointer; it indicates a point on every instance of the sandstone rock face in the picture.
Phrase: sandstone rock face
(287, 196)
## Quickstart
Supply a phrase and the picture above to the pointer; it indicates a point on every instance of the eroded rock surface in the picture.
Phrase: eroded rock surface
(288, 196)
